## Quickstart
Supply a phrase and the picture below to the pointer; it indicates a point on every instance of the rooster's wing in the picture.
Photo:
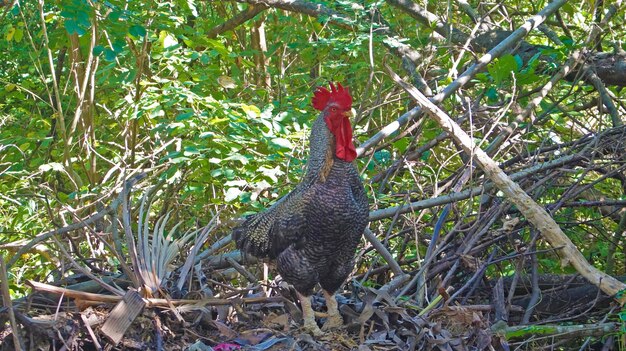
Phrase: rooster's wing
(268, 233)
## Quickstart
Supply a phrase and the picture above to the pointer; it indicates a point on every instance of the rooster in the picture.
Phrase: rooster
(313, 232)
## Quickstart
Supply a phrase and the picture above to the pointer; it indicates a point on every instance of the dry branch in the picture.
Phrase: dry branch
(430, 20)
(150, 302)
(239, 19)
(476, 191)
(534, 213)
(382, 250)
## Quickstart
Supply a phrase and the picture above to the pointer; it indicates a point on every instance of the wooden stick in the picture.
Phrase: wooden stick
(382, 250)
(150, 302)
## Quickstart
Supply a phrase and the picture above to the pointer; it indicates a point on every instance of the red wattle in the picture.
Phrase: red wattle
(344, 148)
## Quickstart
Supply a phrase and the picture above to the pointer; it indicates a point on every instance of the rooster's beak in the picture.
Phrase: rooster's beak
(348, 114)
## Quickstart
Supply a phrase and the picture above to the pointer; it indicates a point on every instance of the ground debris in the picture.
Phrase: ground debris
(268, 319)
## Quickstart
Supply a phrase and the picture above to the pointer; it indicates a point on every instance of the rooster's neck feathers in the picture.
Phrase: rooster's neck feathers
(321, 144)
(331, 133)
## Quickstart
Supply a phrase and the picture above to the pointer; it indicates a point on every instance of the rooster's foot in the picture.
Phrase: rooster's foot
(313, 329)
(333, 321)
(309, 316)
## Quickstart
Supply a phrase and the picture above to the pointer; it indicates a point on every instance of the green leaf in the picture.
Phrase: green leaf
(238, 157)
(401, 144)
(184, 116)
(251, 111)
(492, 94)
(191, 151)
(176, 160)
(519, 62)
(192, 7)
(54, 166)
(231, 194)
(19, 34)
(567, 41)
(82, 18)
(71, 26)
(98, 49)
(137, 31)
(218, 46)
(10, 33)
(109, 55)
(501, 69)
(282, 142)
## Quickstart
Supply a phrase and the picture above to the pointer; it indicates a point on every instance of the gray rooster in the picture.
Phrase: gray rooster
(313, 232)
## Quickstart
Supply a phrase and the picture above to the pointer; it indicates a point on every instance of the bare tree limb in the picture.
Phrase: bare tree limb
(597, 83)
(535, 214)
(466, 194)
(430, 20)
(239, 19)
(308, 8)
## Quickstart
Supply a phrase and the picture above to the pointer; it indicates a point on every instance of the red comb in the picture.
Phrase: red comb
(340, 95)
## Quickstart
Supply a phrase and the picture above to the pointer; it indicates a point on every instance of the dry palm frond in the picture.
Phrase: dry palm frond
(152, 253)
(191, 258)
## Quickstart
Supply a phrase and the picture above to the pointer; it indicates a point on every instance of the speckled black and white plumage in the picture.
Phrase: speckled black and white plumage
(313, 231)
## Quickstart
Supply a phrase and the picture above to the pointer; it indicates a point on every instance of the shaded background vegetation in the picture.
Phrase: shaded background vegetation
(218, 112)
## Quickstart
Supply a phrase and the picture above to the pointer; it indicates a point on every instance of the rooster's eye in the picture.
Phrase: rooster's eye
(334, 109)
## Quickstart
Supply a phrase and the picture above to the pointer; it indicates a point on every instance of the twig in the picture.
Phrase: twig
(429, 20)
(473, 283)
(434, 302)
(534, 278)
(552, 331)
(87, 272)
(476, 191)
(158, 332)
(96, 343)
(597, 83)
(499, 304)
(216, 246)
(239, 268)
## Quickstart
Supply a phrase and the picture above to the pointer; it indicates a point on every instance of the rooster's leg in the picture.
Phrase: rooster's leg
(334, 319)
(309, 316)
